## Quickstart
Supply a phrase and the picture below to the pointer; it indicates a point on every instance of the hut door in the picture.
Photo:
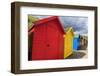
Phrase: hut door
(52, 42)
(47, 43)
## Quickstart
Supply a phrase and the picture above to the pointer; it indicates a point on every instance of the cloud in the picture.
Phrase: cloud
(78, 23)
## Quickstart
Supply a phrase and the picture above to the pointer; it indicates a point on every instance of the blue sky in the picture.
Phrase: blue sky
(79, 24)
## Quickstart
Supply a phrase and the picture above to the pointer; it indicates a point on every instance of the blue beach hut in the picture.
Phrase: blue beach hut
(76, 42)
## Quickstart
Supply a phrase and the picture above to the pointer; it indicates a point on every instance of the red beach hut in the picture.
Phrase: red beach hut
(47, 40)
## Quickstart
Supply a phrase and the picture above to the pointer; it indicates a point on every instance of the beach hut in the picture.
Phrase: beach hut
(68, 42)
(76, 42)
(83, 42)
(48, 40)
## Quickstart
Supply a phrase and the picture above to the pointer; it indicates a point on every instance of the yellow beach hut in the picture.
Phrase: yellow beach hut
(68, 42)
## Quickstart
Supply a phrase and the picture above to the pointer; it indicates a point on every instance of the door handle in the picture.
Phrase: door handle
(48, 45)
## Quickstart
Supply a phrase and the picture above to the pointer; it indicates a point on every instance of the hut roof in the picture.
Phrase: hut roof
(47, 20)
(76, 35)
(69, 29)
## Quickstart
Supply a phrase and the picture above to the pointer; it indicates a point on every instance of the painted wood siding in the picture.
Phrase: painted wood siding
(68, 44)
(76, 44)
(48, 41)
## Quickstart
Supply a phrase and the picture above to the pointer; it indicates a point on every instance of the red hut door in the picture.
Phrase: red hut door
(52, 42)
(46, 43)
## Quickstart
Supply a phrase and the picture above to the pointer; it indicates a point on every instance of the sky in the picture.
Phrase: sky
(79, 24)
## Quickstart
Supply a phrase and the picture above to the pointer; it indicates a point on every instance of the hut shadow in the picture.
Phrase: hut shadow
(76, 55)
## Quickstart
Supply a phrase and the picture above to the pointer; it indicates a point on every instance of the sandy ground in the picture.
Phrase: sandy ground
(78, 54)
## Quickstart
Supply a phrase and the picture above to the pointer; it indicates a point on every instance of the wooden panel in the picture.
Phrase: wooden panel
(61, 45)
(38, 50)
(52, 42)
(47, 42)
(68, 45)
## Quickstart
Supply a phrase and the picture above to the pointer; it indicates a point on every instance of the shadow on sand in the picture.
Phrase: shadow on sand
(76, 55)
